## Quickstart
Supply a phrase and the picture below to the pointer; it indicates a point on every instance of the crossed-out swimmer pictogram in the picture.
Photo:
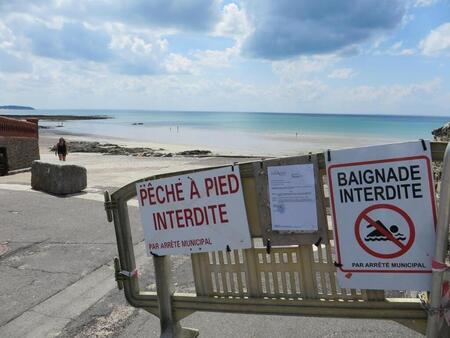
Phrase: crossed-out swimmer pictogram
(389, 233)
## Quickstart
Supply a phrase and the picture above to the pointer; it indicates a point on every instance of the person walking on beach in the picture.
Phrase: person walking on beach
(61, 149)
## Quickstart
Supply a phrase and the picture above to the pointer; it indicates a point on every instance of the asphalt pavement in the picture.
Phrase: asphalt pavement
(56, 279)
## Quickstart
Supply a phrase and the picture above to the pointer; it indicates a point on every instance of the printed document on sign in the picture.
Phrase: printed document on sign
(292, 197)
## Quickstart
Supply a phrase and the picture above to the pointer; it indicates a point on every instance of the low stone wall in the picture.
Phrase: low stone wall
(21, 151)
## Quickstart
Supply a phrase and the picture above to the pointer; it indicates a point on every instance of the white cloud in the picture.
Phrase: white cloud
(176, 63)
(138, 57)
(13, 63)
(87, 53)
(93, 87)
(304, 90)
(397, 49)
(392, 93)
(135, 44)
(7, 37)
(407, 18)
(342, 73)
(437, 41)
(302, 66)
(117, 47)
(425, 3)
(192, 15)
(216, 58)
(104, 32)
(233, 23)
(397, 46)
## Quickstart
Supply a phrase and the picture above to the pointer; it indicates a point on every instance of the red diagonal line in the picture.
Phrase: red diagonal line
(384, 232)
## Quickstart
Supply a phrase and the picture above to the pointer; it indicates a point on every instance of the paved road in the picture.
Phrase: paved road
(56, 279)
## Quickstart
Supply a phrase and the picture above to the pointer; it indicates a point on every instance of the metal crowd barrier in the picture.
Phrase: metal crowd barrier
(289, 280)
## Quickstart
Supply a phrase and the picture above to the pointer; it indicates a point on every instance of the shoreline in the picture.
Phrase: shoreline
(109, 172)
(237, 136)
(273, 144)
(55, 134)
(50, 137)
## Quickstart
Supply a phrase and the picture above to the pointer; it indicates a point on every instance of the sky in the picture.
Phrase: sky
(321, 56)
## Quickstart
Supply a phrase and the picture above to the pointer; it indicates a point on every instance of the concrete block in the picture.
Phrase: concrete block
(58, 179)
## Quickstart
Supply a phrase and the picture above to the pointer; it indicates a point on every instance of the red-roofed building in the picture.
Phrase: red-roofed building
(19, 143)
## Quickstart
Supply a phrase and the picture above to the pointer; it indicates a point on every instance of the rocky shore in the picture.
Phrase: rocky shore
(114, 149)
(441, 134)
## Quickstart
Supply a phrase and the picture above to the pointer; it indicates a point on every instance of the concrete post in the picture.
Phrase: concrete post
(441, 246)
(170, 327)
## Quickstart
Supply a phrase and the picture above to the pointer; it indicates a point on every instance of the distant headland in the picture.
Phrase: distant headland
(58, 117)
(13, 107)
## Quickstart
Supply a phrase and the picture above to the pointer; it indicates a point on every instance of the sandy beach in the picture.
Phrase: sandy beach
(219, 139)
(225, 142)
(113, 171)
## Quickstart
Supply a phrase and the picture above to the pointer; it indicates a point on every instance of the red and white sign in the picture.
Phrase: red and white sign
(384, 216)
(198, 212)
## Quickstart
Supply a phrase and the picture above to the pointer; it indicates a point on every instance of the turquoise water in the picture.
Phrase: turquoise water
(246, 130)
(370, 125)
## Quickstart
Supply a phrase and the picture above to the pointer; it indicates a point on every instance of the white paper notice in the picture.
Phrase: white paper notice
(293, 197)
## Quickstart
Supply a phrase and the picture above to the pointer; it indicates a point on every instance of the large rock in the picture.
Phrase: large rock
(442, 133)
(58, 179)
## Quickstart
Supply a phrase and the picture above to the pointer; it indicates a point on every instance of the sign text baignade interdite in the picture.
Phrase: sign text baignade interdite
(198, 212)
(384, 216)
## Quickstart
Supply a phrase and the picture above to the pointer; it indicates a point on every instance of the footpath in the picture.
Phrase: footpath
(57, 280)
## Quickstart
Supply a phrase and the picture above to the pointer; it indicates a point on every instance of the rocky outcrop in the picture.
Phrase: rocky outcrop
(109, 149)
(58, 179)
(114, 149)
(442, 133)
(194, 152)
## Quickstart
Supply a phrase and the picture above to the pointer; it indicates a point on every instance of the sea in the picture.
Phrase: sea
(251, 133)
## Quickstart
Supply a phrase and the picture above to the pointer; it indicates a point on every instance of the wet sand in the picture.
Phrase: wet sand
(113, 171)
(228, 143)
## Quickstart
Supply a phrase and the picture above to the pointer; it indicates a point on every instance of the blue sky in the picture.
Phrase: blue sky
(322, 56)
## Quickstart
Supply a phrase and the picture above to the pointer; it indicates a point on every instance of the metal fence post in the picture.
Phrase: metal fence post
(441, 246)
(170, 327)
